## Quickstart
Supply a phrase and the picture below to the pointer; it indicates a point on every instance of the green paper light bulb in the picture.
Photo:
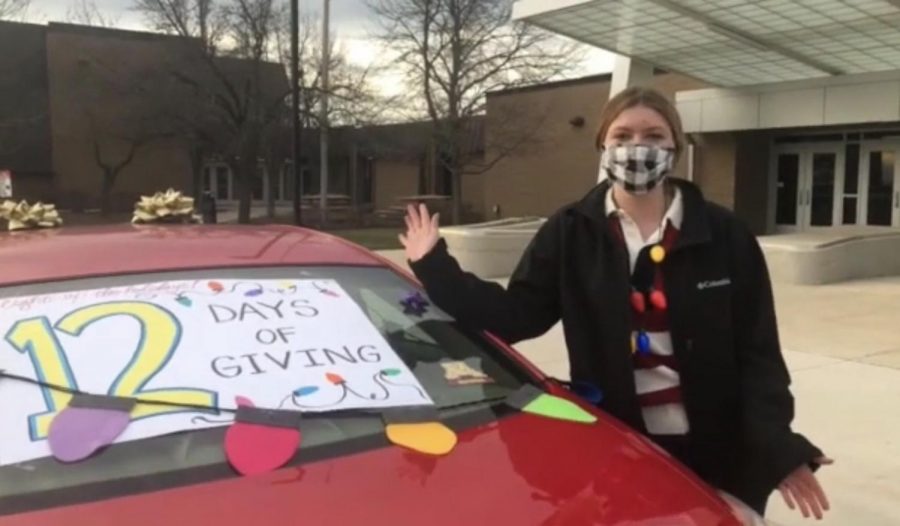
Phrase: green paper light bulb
(559, 408)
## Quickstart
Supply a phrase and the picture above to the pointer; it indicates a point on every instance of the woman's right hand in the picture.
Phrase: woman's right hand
(421, 232)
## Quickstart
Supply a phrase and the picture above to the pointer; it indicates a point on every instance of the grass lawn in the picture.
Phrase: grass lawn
(371, 238)
(381, 238)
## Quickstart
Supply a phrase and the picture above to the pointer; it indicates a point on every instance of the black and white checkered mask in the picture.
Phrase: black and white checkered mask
(639, 168)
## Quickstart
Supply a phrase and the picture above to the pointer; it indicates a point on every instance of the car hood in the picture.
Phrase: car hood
(519, 470)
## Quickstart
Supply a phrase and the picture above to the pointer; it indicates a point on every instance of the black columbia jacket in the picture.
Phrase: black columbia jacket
(721, 315)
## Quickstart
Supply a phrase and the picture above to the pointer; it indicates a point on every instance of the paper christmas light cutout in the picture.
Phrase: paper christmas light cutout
(418, 428)
(262, 440)
(89, 423)
(530, 399)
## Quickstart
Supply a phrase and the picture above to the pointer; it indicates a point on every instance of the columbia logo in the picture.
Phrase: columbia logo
(713, 284)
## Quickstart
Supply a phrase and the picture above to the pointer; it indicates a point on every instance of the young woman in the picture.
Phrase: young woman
(666, 306)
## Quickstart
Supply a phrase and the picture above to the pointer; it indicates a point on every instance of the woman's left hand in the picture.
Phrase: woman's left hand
(801, 489)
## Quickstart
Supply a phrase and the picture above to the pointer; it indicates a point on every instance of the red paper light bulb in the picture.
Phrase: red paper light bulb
(253, 449)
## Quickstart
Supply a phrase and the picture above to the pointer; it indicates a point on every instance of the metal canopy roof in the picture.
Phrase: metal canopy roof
(734, 42)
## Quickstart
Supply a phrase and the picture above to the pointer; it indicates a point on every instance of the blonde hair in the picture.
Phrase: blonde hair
(648, 98)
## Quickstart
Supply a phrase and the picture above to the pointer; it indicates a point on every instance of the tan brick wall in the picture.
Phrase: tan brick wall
(33, 188)
(473, 195)
(75, 102)
(394, 179)
(399, 178)
(714, 167)
(558, 164)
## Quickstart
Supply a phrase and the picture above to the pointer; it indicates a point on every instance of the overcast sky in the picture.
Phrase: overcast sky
(347, 14)
(351, 23)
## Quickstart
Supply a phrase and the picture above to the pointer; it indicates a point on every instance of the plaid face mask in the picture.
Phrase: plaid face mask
(638, 168)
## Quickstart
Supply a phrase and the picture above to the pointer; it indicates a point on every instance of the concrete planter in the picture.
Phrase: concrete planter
(816, 261)
(492, 249)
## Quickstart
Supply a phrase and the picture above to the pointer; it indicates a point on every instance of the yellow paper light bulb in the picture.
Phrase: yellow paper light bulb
(431, 438)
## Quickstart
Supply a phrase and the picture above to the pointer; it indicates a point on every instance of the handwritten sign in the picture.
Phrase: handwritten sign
(302, 344)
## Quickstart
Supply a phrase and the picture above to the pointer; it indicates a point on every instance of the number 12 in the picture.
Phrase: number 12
(160, 336)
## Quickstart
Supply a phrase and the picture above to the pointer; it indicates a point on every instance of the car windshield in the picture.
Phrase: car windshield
(441, 355)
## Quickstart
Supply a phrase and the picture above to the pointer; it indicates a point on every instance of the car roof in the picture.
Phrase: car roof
(65, 253)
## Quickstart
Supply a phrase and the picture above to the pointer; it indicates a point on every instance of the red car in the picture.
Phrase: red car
(508, 468)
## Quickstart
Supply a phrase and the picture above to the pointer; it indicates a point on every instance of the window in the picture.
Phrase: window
(223, 182)
(851, 184)
(431, 345)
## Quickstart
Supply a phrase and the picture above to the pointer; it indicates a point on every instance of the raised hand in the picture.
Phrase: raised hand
(421, 232)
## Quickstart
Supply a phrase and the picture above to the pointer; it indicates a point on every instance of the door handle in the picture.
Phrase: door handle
(896, 199)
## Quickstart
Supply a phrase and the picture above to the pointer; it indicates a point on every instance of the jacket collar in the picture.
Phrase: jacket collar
(694, 228)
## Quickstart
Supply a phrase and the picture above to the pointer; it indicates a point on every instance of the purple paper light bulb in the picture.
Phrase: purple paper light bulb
(87, 425)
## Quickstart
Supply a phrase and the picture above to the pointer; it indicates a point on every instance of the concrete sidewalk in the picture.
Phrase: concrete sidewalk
(842, 346)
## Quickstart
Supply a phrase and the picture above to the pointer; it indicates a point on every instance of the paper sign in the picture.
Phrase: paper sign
(5, 184)
(302, 345)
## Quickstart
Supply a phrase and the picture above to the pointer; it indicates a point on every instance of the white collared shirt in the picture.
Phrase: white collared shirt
(633, 238)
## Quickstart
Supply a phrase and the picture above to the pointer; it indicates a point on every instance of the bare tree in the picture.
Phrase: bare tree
(87, 13)
(113, 164)
(13, 9)
(122, 105)
(353, 100)
(234, 95)
(232, 76)
(453, 53)
(203, 20)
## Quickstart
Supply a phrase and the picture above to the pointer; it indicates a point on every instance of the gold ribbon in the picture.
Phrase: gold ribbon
(164, 207)
(21, 215)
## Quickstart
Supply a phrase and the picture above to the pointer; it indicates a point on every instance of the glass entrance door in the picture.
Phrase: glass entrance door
(806, 179)
(217, 179)
(787, 190)
(880, 184)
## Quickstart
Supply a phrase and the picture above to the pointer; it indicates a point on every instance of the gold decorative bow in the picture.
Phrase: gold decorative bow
(21, 215)
(164, 207)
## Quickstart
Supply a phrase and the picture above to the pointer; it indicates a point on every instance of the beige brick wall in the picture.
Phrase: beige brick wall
(400, 178)
(394, 179)
(714, 166)
(558, 163)
(473, 195)
(75, 62)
